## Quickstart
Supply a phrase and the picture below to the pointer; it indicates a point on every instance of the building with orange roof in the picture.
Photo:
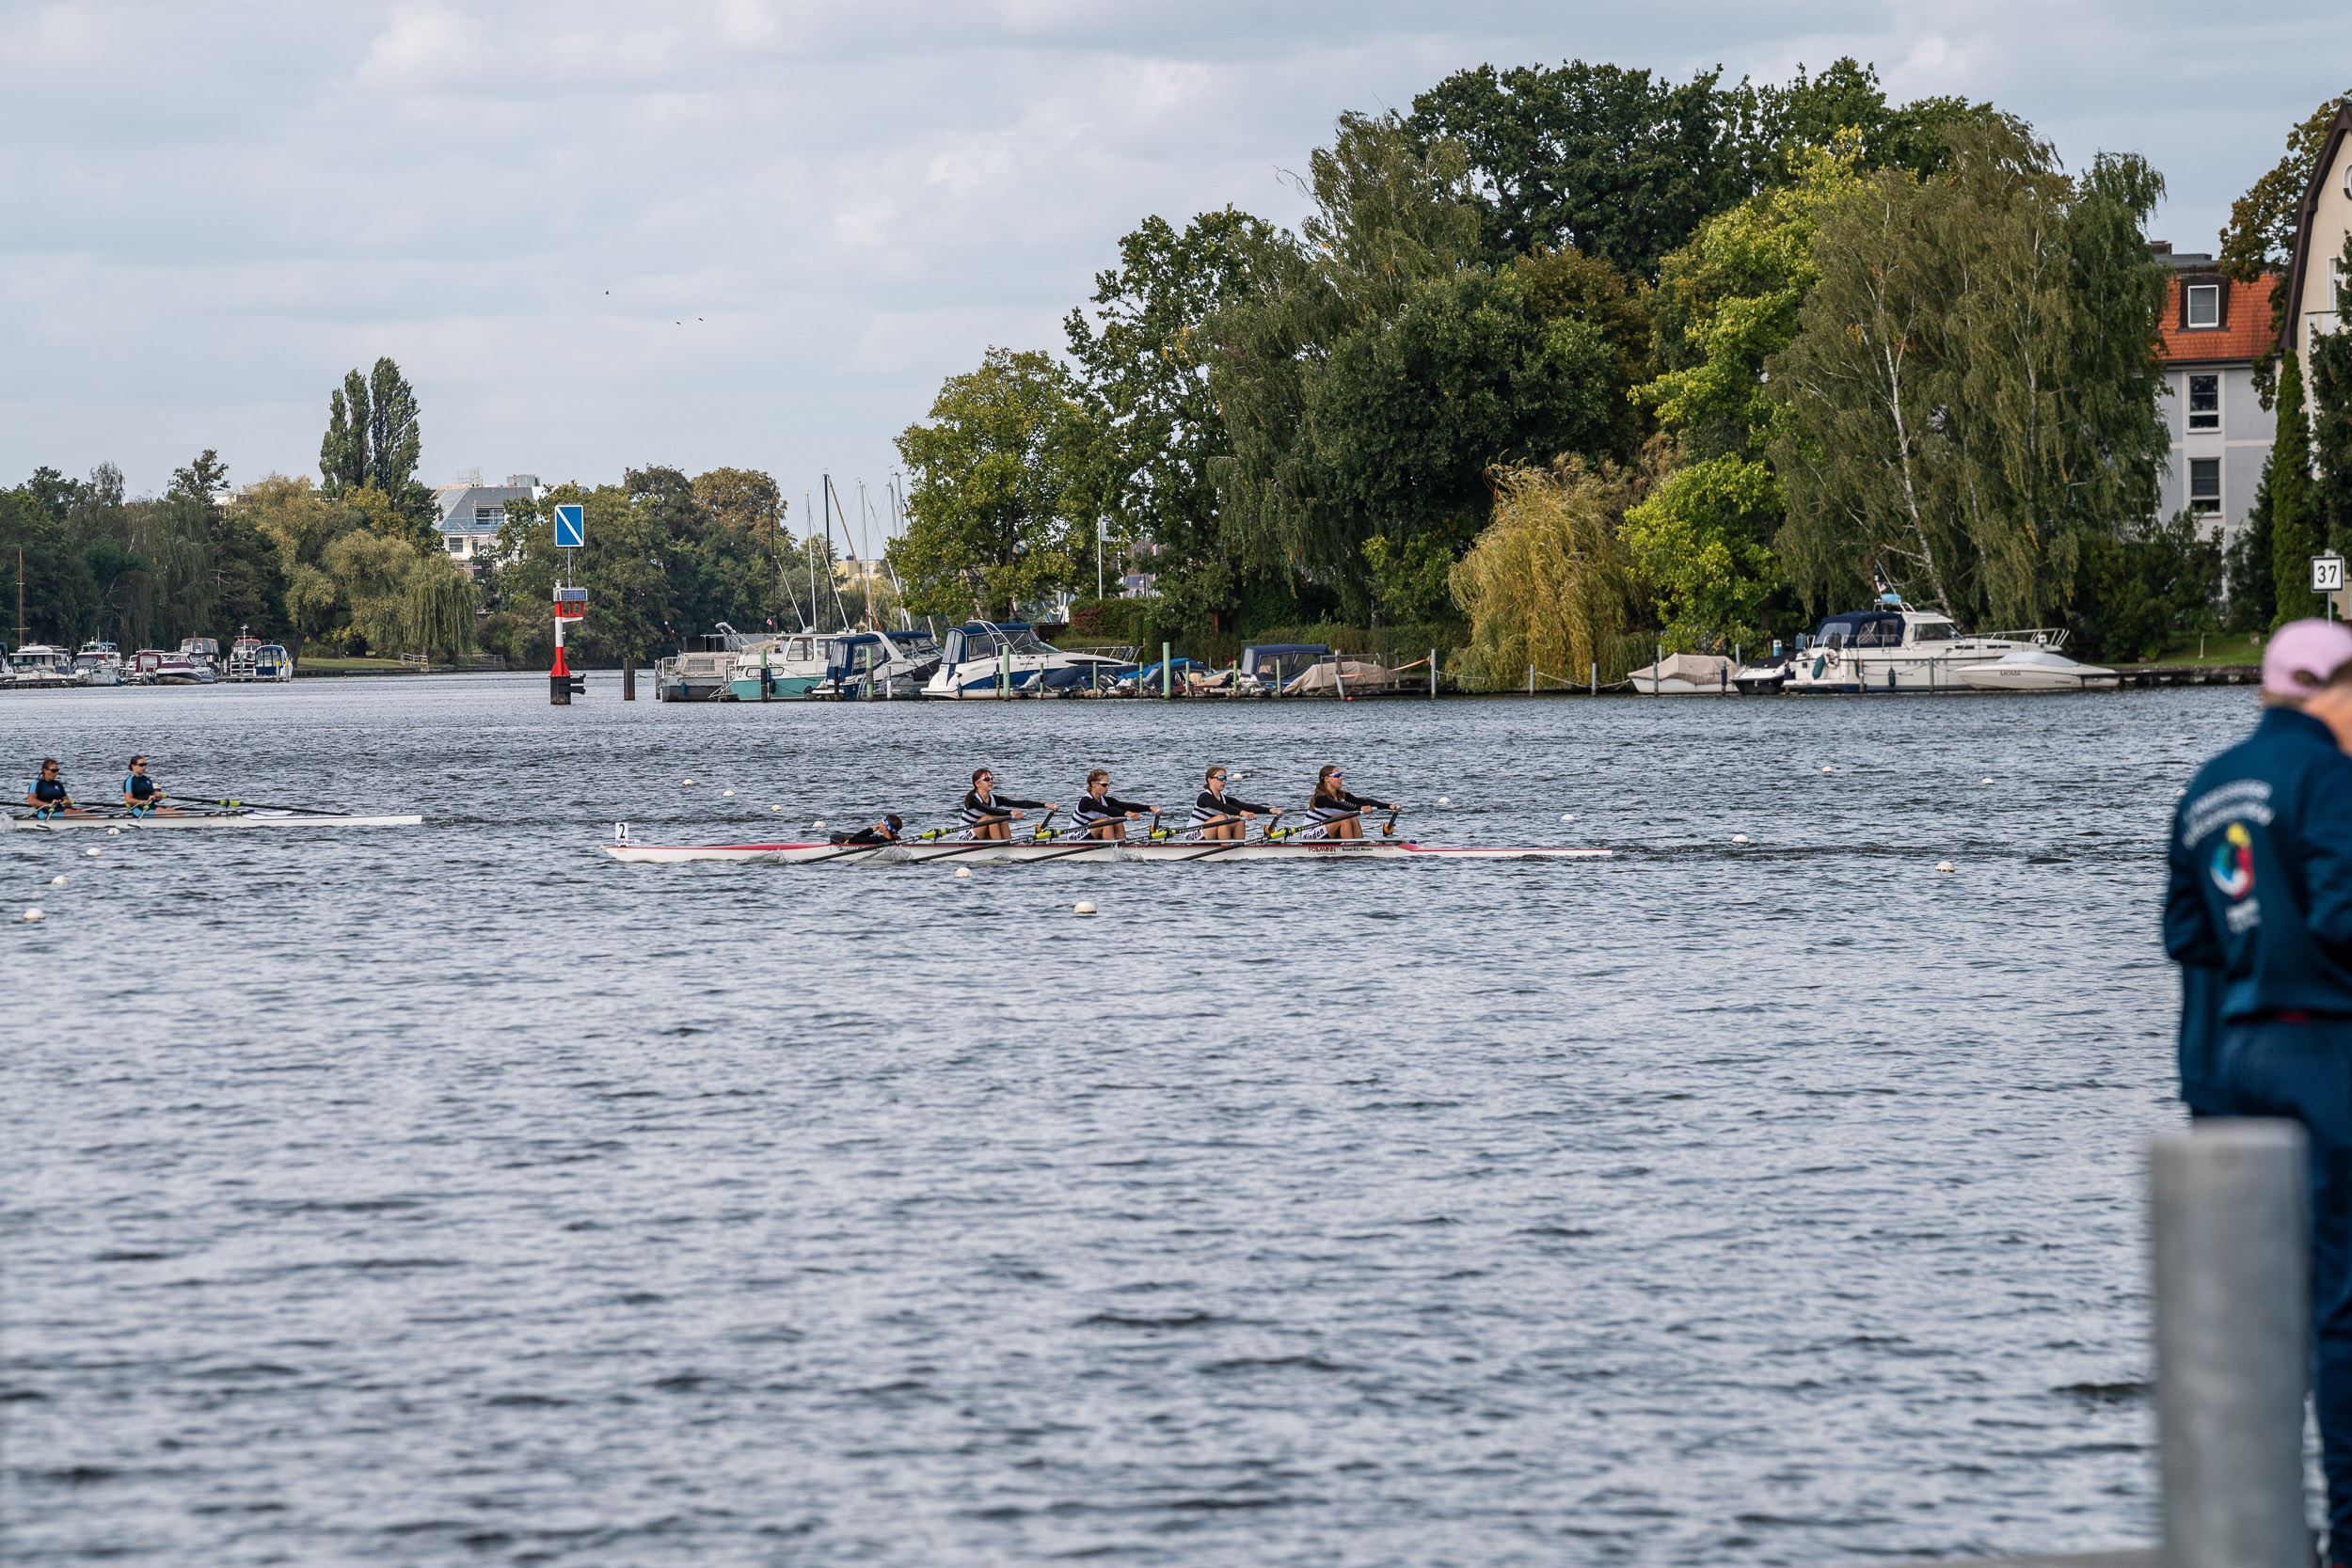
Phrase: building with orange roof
(2213, 331)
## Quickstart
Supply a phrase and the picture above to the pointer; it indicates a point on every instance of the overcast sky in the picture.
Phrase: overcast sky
(758, 233)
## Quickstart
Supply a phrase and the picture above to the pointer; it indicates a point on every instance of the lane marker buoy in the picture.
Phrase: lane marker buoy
(92, 851)
(1445, 800)
(1081, 908)
(1570, 818)
(690, 781)
(727, 792)
(1826, 769)
(35, 914)
(818, 826)
(963, 871)
(114, 833)
(56, 881)
(1944, 865)
(1739, 838)
(1985, 781)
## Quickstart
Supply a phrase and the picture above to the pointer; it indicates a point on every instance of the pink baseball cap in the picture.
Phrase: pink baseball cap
(2302, 655)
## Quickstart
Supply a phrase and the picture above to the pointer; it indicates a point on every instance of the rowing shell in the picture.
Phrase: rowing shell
(218, 819)
(1019, 850)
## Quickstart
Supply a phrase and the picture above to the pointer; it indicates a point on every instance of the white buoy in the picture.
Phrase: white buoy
(775, 808)
(1944, 865)
(1082, 908)
(1985, 781)
(690, 781)
(816, 827)
(727, 792)
(56, 881)
(1739, 838)
(114, 833)
(2178, 793)
(35, 914)
(90, 852)
(1445, 800)
(1569, 818)
(1826, 769)
(963, 871)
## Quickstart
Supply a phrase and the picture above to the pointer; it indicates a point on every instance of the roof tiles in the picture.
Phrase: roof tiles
(2246, 332)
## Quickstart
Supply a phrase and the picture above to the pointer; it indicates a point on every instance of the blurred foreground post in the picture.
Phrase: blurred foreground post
(2233, 1304)
(628, 677)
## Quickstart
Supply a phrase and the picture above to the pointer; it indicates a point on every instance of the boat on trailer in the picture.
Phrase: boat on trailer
(117, 818)
(1021, 851)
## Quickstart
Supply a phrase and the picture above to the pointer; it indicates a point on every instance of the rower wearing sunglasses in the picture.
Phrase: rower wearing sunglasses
(47, 793)
(1217, 816)
(1338, 813)
(989, 814)
(1102, 815)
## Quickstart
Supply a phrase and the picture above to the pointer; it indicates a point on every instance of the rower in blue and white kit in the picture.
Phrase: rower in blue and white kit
(140, 794)
(1102, 815)
(1338, 813)
(1215, 816)
(989, 814)
(47, 793)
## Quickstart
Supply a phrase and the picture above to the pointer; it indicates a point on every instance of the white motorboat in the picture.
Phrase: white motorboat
(241, 656)
(37, 664)
(787, 667)
(701, 673)
(204, 653)
(876, 666)
(99, 663)
(272, 663)
(2037, 670)
(987, 658)
(1897, 648)
(176, 669)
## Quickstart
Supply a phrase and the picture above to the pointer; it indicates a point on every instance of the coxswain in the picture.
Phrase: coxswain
(1338, 813)
(989, 814)
(47, 794)
(1102, 815)
(1215, 816)
(140, 794)
(884, 832)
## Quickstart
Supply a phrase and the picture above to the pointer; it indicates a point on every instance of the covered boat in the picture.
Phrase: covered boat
(991, 658)
(2037, 670)
(1684, 676)
(1342, 677)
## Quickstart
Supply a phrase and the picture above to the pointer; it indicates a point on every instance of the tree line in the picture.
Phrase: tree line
(1564, 353)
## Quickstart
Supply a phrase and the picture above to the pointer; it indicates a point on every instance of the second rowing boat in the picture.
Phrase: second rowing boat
(1016, 851)
(27, 822)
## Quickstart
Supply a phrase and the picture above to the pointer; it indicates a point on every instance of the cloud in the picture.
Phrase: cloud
(426, 45)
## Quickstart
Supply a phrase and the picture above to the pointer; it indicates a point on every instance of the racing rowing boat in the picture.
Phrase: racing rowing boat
(1017, 851)
(26, 821)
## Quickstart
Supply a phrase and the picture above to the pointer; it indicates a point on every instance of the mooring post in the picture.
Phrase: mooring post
(1168, 676)
(1433, 675)
(1596, 679)
(2233, 1304)
(628, 677)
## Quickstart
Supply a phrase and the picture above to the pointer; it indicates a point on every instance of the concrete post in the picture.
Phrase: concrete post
(2233, 1303)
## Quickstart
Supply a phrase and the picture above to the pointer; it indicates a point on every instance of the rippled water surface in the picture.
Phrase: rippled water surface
(455, 1195)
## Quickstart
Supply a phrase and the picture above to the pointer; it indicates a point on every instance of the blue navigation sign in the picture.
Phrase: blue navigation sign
(570, 524)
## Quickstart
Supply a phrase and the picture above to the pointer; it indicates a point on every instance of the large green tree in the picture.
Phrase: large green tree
(372, 442)
(998, 509)
(1142, 353)
(2297, 531)
(1973, 384)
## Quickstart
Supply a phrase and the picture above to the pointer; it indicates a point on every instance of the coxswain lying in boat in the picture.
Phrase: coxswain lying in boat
(1102, 815)
(47, 794)
(884, 832)
(1337, 813)
(989, 814)
(140, 794)
(1217, 816)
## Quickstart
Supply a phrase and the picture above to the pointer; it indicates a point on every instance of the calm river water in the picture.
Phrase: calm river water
(455, 1195)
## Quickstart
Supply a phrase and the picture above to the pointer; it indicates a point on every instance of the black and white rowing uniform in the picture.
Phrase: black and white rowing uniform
(1089, 811)
(1213, 807)
(1328, 809)
(978, 813)
(878, 833)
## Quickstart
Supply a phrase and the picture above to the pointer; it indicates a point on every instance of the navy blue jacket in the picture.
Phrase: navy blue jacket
(2260, 879)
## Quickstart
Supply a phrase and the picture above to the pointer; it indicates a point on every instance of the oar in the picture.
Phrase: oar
(1222, 845)
(254, 805)
(1088, 843)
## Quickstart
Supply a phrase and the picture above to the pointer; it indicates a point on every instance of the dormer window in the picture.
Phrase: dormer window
(2204, 305)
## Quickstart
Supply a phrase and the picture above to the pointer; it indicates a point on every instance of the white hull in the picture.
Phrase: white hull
(225, 819)
(1020, 851)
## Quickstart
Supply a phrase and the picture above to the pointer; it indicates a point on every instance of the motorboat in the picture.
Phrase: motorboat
(99, 663)
(1893, 647)
(701, 673)
(991, 658)
(272, 663)
(241, 658)
(177, 670)
(870, 666)
(784, 668)
(204, 652)
(2037, 669)
(139, 669)
(1763, 679)
(37, 664)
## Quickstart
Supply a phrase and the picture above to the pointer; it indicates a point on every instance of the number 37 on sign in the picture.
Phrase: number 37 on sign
(2326, 574)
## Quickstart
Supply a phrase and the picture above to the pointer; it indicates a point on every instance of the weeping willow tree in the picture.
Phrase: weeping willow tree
(440, 609)
(1549, 582)
(1973, 384)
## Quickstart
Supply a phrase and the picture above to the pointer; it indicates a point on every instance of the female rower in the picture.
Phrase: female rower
(1215, 816)
(989, 814)
(140, 792)
(1101, 813)
(47, 793)
(884, 832)
(1338, 813)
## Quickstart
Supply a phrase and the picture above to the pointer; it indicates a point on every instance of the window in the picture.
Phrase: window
(1933, 631)
(456, 546)
(2205, 402)
(2204, 305)
(2204, 484)
(489, 517)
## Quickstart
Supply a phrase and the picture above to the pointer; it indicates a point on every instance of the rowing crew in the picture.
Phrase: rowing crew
(1333, 812)
(48, 795)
